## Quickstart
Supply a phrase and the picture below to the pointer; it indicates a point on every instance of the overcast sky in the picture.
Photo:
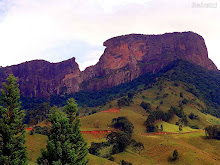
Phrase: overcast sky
(56, 30)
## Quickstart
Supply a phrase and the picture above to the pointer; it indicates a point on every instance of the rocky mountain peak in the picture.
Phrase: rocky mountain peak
(125, 58)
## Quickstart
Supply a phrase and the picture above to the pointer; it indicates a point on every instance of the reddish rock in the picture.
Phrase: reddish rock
(124, 59)
(127, 57)
(40, 78)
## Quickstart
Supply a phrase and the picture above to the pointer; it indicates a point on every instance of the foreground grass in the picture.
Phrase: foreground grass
(34, 144)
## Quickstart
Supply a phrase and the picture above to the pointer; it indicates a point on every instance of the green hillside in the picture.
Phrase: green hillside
(192, 144)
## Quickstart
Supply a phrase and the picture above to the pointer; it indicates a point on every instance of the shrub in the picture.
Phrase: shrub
(146, 106)
(95, 147)
(194, 126)
(176, 84)
(125, 163)
(31, 132)
(123, 124)
(111, 158)
(165, 95)
(119, 140)
(193, 116)
(184, 101)
(151, 128)
(41, 130)
(213, 132)
(124, 101)
(175, 155)
(180, 127)
(138, 147)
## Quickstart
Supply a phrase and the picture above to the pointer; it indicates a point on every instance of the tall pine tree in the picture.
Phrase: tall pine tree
(12, 130)
(65, 143)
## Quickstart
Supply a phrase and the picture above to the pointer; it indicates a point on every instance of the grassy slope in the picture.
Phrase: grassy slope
(34, 143)
(193, 148)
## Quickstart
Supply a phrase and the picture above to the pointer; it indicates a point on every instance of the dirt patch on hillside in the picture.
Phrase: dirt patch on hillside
(112, 110)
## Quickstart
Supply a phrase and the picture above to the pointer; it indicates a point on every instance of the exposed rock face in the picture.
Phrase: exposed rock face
(124, 59)
(40, 78)
(127, 57)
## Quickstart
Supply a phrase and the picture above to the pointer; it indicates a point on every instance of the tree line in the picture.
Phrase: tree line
(160, 115)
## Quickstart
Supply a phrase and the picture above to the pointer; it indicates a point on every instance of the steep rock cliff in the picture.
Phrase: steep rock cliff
(124, 59)
(127, 57)
(40, 78)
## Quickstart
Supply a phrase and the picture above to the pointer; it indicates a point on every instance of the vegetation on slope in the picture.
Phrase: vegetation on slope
(200, 82)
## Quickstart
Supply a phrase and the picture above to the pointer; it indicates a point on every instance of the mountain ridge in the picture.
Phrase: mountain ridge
(124, 59)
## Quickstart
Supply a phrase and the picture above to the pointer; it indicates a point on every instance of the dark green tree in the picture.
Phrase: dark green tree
(151, 128)
(175, 155)
(12, 130)
(146, 106)
(123, 124)
(181, 94)
(120, 140)
(124, 101)
(65, 143)
(213, 131)
(161, 127)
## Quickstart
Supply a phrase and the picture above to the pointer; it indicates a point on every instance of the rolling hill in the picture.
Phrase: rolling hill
(192, 144)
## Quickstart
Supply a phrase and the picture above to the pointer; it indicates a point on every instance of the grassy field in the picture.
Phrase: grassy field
(193, 148)
(34, 144)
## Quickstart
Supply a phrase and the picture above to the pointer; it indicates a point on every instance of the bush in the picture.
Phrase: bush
(151, 128)
(124, 101)
(184, 101)
(146, 106)
(95, 147)
(180, 127)
(138, 147)
(213, 132)
(176, 84)
(175, 155)
(41, 130)
(111, 158)
(165, 95)
(193, 116)
(130, 95)
(125, 163)
(123, 124)
(194, 126)
(119, 140)
(31, 132)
